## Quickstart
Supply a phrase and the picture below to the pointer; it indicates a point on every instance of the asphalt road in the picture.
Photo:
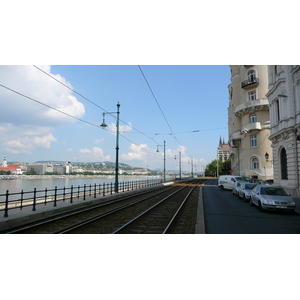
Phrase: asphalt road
(225, 213)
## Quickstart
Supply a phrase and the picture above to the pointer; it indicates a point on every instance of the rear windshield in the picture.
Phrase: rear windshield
(273, 191)
(249, 186)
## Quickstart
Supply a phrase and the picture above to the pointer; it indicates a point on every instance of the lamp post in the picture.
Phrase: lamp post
(267, 157)
(164, 145)
(103, 125)
(179, 164)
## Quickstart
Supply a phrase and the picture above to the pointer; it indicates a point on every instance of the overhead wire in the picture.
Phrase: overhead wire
(71, 116)
(51, 107)
(160, 107)
(107, 112)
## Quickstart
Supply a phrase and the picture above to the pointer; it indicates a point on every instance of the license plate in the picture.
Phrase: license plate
(281, 206)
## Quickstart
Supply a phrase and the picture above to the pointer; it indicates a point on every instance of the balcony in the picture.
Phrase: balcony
(252, 107)
(251, 126)
(251, 82)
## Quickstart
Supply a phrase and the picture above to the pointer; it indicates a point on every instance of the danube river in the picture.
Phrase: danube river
(19, 184)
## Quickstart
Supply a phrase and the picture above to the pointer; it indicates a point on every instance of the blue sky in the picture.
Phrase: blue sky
(188, 110)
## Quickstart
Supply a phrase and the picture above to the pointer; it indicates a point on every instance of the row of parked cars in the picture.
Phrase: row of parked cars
(262, 194)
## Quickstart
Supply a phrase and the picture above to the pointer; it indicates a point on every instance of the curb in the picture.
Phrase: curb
(200, 223)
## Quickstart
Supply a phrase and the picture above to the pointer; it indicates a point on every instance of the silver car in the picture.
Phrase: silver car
(271, 198)
(236, 188)
(245, 190)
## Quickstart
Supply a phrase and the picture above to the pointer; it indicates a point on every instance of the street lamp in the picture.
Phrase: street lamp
(179, 164)
(267, 157)
(103, 125)
(164, 145)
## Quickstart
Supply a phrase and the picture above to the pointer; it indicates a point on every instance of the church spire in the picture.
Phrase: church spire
(4, 163)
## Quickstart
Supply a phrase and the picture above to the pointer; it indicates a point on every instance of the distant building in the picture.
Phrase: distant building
(223, 151)
(13, 169)
(39, 168)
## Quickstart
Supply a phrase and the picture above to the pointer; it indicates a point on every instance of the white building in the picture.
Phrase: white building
(284, 99)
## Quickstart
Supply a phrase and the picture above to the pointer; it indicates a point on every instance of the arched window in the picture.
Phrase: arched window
(254, 163)
(283, 164)
(251, 75)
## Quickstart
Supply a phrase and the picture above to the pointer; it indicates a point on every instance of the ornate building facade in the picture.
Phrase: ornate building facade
(284, 99)
(249, 122)
(223, 151)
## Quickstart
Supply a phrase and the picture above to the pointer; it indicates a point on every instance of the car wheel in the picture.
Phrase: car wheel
(251, 203)
(260, 206)
(222, 187)
(244, 198)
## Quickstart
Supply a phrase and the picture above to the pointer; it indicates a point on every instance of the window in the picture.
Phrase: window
(251, 76)
(252, 119)
(277, 110)
(252, 95)
(254, 164)
(253, 140)
(283, 164)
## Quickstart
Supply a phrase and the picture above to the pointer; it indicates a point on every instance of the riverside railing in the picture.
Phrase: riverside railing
(9, 201)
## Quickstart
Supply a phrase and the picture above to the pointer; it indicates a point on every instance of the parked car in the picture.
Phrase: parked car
(268, 197)
(258, 181)
(228, 181)
(236, 188)
(245, 190)
(269, 181)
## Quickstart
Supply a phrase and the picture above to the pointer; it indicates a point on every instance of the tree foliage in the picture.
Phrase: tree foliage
(223, 168)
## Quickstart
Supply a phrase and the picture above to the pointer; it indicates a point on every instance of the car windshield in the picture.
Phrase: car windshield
(249, 186)
(273, 191)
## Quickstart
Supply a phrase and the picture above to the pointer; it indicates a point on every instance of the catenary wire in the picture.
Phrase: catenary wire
(89, 123)
(159, 107)
(92, 102)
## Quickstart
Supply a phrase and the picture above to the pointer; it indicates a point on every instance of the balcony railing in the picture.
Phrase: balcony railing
(250, 82)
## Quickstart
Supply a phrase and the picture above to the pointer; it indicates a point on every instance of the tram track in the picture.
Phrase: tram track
(109, 216)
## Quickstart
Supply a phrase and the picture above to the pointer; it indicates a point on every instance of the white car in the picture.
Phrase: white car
(268, 197)
(245, 190)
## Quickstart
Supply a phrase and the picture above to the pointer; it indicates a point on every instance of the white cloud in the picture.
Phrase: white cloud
(69, 150)
(85, 150)
(137, 152)
(98, 141)
(94, 154)
(25, 124)
(28, 144)
(122, 128)
(37, 85)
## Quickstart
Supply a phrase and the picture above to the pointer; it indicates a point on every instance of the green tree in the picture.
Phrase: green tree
(31, 172)
(211, 168)
(226, 167)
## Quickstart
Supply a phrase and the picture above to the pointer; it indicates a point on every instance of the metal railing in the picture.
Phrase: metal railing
(250, 81)
(36, 197)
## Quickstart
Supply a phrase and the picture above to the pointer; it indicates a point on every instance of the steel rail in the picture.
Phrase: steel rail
(83, 223)
(176, 213)
(140, 215)
(63, 215)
